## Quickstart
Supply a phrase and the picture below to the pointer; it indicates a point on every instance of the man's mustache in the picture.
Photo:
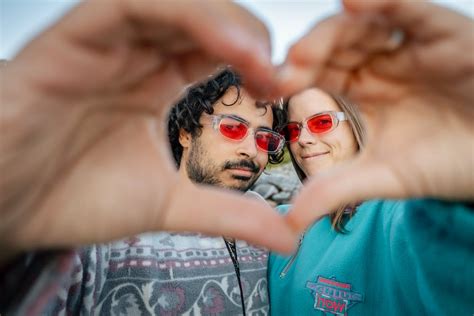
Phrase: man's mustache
(248, 164)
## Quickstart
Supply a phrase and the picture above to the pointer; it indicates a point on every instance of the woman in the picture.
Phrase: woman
(370, 258)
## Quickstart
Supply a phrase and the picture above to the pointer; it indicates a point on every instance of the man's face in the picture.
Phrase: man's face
(211, 158)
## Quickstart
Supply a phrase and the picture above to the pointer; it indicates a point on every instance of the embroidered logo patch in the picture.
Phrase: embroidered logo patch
(331, 296)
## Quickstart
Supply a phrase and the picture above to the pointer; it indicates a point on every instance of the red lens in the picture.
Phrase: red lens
(320, 123)
(267, 141)
(291, 132)
(233, 129)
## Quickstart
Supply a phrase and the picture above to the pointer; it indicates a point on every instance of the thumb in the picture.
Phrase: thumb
(352, 182)
(215, 211)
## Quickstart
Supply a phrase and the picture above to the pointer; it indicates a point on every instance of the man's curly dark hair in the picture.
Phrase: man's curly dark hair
(201, 98)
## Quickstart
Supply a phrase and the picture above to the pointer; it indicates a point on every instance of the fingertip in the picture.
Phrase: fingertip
(283, 79)
(291, 78)
(260, 84)
(241, 217)
(257, 71)
(277, 236)
(284, 240)
(366, 6)
(351, 5)
(295, 223)
(305, 211)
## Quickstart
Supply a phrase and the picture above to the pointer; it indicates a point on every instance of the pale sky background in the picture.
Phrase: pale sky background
(20, 20)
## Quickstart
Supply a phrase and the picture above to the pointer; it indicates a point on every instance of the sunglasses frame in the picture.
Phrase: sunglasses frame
(335, 116)
(217, 120)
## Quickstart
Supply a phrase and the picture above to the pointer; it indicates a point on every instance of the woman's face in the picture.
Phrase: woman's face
(317, 152)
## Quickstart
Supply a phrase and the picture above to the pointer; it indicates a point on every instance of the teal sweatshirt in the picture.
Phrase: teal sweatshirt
(413, 257)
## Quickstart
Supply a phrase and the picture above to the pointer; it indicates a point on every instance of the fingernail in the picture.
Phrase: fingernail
(285, 79)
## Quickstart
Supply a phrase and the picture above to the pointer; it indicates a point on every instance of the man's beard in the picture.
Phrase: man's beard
(201, 171)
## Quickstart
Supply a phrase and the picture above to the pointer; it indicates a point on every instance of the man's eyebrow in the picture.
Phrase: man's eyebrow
(266, 127)
(247, 122)
(237, 117)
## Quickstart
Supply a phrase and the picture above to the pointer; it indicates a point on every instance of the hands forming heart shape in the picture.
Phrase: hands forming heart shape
(84, 154)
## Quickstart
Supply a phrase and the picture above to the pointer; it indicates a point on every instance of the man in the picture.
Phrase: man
(219, 136)
(218, 110)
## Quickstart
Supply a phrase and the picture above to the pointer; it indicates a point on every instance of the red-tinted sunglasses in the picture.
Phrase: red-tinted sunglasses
(320, 123)
(236, 128)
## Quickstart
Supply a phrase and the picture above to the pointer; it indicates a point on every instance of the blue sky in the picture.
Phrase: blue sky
(20, 20)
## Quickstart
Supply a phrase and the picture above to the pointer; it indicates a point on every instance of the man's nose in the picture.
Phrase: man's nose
(248, 147)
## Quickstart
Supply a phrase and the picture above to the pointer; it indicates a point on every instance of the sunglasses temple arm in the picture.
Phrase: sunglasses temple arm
(341, 116)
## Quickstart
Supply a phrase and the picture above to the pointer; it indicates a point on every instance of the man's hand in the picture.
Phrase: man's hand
(410, 67)
(84, 150)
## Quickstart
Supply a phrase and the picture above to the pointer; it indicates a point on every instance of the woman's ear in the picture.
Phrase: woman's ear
(184, 138)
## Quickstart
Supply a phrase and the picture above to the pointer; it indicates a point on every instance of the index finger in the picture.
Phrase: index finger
(224, 30)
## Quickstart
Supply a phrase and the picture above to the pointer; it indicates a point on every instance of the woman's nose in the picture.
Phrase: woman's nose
(306, 137)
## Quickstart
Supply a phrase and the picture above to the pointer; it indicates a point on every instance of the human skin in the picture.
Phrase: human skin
(82, 121)
(215, 150)
(416, 94)
(84, 153)
(318, 152)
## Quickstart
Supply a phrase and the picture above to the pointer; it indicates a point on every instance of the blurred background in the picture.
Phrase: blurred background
(20, 20)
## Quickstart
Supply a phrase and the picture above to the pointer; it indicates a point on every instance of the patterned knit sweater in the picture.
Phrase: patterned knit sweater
(160, 274)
